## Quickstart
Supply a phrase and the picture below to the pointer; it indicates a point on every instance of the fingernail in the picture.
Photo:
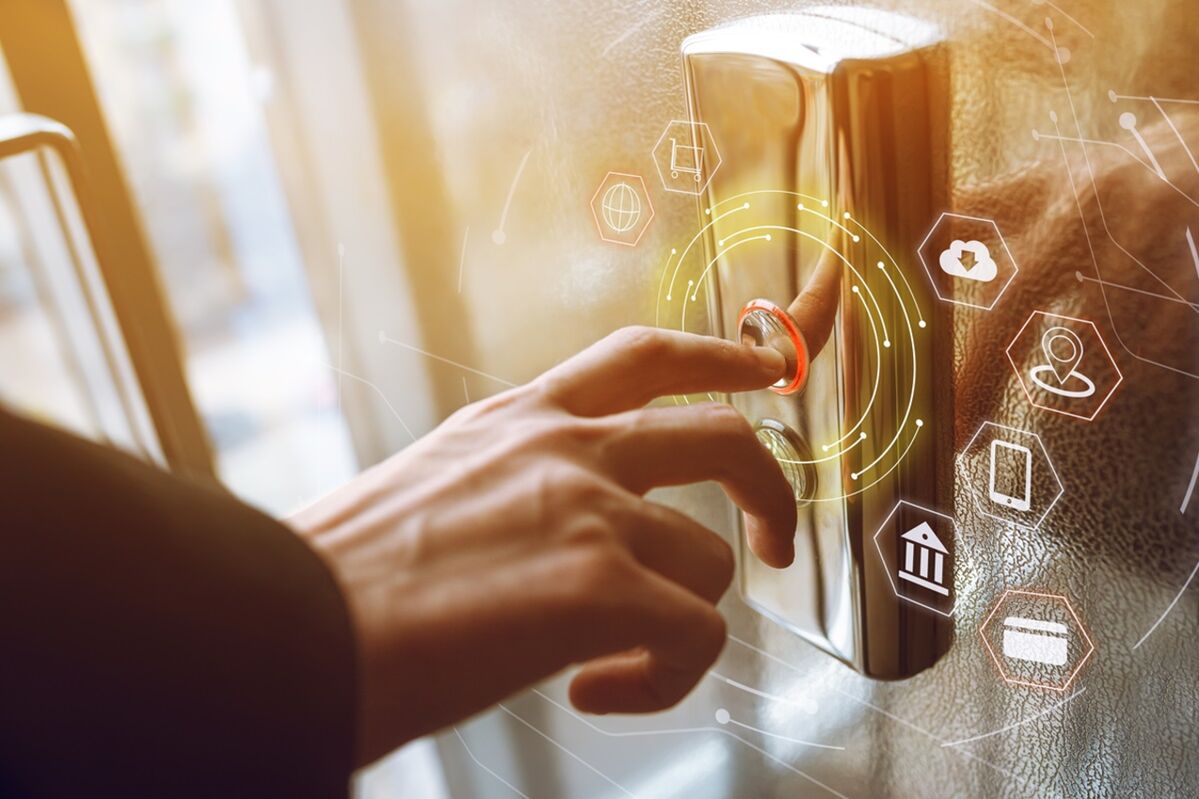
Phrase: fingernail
(771, 360)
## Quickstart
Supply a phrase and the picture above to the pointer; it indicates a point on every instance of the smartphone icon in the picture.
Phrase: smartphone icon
(1011, 475)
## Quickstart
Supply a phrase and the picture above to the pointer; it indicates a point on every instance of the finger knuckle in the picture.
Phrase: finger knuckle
(737, 355)
(557, 434)
(727, 421)
(556, 485)
(580, 489)
(602, 567)
(552, 387)
(642, 342)
(490, 406)
(590, 531)
(582, 432)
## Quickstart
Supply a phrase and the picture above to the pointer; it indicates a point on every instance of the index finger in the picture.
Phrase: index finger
(634, 365)
(675, 446)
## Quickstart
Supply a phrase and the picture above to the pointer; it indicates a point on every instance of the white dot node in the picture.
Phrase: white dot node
(768, 237)
(1111, 95)
(800, 206)
(1053, 116)
(856, 238)
(845, 215)
(499, 236)
(880, 265)
(674, 251)
(1128, 120)
(887, 344)
(853, 475)
(1036, 135)
(722, 716)
(1063, 55)
(745, 205)
(920, 423)
(922, 323)
(824, 203)
(854, 289)
(708, 211)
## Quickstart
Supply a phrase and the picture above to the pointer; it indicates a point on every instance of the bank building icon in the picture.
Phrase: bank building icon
(923, 561)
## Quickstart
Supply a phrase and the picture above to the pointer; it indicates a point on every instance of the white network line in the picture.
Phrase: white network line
(897, 719)
(481, 765)
(1186, 499)
(385, 339)
(568, 752)
(382, 396)
(499, 235)
(1019, 723)
(1103, 218)
(686, 730)
(1169, 608)
(807, 705)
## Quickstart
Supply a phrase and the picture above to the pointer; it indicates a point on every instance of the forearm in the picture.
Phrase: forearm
(160, 638)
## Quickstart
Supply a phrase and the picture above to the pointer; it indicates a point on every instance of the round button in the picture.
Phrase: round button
(792, 454)
(764, 324)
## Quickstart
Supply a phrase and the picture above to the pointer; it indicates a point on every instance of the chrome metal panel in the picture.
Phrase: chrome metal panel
(835, 132)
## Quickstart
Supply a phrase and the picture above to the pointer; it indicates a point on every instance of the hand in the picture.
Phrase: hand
(515, 540)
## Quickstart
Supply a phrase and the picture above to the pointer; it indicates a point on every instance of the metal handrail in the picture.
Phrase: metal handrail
(25, 133)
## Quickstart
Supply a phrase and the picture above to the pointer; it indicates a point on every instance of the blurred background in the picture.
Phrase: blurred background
(338, 221)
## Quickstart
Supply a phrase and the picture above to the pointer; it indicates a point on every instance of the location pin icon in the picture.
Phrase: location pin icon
(1063, 350)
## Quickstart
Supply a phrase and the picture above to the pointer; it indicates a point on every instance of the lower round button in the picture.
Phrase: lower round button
(793, 456)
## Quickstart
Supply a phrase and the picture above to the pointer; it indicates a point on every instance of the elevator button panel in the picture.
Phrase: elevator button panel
(833, 127)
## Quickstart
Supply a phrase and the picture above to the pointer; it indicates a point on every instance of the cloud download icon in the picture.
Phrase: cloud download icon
(970, 260)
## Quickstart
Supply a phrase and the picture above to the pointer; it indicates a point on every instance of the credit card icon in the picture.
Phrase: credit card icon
(1035, 640)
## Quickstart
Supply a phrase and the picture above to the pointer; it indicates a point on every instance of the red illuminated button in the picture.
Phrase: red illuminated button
(764, 324)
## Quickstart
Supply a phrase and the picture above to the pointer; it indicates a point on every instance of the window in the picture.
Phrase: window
(185, 107)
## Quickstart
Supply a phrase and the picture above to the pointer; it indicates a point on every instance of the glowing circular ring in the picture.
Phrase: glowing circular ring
(894, 452)
(793, 334)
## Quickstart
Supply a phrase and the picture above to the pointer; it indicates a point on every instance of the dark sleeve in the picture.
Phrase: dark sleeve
(160, 638)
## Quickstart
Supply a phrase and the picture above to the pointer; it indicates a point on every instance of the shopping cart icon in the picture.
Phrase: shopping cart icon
(686, 156)
(685, 159)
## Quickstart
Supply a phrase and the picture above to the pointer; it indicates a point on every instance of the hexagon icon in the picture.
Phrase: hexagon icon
(1064, 365)
(1009, 475)
(686, 156)
(967, 260)
(916, 547)
(622, 208)
(1036, 639)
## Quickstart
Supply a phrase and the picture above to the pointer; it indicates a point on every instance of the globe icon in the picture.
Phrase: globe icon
(621, 207)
